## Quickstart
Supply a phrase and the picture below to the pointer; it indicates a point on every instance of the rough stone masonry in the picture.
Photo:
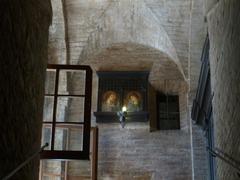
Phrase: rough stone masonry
(23, 57)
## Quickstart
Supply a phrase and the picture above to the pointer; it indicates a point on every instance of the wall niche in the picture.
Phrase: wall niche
(118, 89)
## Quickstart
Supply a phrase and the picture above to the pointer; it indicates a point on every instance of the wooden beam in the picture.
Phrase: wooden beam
(94, 159)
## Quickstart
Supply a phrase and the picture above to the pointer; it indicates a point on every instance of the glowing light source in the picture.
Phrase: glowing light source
(124, 109)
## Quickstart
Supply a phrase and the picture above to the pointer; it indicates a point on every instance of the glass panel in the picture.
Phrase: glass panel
(163, 116)
(56, 169)
(110, 102)
(72, 82)
(162, 107)
(48, 108)
(46, 135)
(173, 107)
(133, 101)
(173, 117)
(173, 104)
(68, 137)
(61, 139)
(70, 109)
(52, 169)
(50, 81)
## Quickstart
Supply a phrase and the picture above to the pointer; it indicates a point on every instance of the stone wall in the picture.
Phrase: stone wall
(163, 37)
(224, 33)
(174, 17)
(57, 52)
(126, 36)
(23, 56)
(135, 153)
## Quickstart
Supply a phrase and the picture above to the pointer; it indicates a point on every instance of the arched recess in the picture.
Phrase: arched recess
(129, 22)
(128, 37)
(164, 75)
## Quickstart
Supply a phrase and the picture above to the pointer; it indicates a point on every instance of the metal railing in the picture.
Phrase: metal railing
(11, 174)
(226, 158)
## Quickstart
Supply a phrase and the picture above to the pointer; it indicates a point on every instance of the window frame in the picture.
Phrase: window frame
(70, 154)
(167, 99)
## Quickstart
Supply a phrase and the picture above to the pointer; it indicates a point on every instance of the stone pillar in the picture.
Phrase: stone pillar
(23, 57)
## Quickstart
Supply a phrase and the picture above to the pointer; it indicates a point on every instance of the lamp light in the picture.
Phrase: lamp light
(122, 116)
(124, 109)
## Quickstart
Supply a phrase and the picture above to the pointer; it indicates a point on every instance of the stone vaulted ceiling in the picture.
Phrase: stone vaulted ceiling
(123, 35)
